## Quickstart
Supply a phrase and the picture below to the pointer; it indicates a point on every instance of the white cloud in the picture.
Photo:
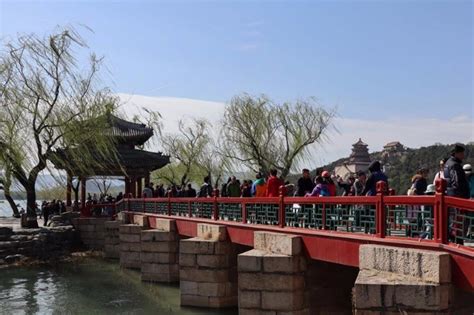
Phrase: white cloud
(412, 132)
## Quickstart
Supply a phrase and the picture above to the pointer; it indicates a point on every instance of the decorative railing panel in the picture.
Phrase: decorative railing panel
(202, 209)
(262, 213)
(230, 211)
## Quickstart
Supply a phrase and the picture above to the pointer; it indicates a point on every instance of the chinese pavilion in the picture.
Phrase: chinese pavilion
(131, 163)
(359, 160)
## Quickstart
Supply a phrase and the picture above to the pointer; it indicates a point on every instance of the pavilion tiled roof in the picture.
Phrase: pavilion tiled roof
(127, 131)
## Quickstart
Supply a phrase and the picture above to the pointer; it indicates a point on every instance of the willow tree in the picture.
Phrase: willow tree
(262, 134)
(48, 101)
(186, 149)
(5, 185)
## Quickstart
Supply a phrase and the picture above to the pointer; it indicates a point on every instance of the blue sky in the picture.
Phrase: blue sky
(373, 59)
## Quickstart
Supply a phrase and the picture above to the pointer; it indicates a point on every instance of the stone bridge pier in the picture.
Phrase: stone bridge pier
(394, 280)
(272, 276)
(159, 252)
(207, 268)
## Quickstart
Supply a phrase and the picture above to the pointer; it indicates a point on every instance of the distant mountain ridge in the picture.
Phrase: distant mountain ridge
(401, 164)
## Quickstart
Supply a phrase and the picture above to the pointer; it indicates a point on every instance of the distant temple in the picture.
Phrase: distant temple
(359, 160)
(393, 146)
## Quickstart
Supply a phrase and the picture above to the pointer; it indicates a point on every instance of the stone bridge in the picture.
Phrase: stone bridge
(286, 255)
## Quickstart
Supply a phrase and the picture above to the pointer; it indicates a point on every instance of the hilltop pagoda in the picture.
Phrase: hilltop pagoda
(131, 163)
(359, 160)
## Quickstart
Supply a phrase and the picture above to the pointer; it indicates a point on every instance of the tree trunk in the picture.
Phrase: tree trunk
(31, 206)
(12, 203)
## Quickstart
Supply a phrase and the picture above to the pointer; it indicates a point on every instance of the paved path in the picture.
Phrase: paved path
(14, 222)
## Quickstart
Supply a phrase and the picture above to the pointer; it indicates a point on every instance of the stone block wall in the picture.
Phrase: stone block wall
(112, 239)
(91, 231)
(271, 277)
(394, 280)
(130, 235)
(159, 252)
(208, 275)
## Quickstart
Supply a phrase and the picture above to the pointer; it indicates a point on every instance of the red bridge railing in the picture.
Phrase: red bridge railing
(438, 218)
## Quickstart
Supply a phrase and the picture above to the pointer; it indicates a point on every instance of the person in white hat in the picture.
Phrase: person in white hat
(430, 190)
(470, 178)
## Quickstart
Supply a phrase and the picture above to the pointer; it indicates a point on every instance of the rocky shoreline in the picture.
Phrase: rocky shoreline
(24, 246)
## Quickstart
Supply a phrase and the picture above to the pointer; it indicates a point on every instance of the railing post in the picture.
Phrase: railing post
(215, 209)
(440, 213)
(281, 207)
(380, 223)
(190, 209)
(169, 202)
(323, 217)
(244, 213)
(128, 204)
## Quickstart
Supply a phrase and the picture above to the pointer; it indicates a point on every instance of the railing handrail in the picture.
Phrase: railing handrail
(382, 205)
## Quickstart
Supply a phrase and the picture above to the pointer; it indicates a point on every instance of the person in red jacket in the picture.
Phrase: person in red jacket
(330, 183)
(273, 184)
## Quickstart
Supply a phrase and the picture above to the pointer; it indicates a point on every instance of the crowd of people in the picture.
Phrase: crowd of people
(50, 208)
(459, 178)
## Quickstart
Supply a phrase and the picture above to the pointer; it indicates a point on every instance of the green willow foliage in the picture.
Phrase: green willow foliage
(50, 100)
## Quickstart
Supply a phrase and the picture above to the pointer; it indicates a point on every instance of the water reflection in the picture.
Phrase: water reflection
(91, 287)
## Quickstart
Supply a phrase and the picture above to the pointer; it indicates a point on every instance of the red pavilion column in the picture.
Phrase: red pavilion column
(147, 179)
(139, 187)
(127, 186)
(133, 186)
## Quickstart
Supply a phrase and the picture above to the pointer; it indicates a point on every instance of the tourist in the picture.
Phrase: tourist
(152, 188)
(273, 184)
(180, 191)
(147, 192)
(305, 184)
(206, 188)
(347, 187)
(190, 191)
(224, 188)
(46, 213)
(440, 173)
(259, 187)
(289, 189)
(43, 204)
(159, 191)
(320, 189)
(233, 188)
(119, 197)
(359, 184)
(246, 190)
(470, 179)
(418, 183)
(457, 184)
(329, 182)
(430, 190)
(375, 176)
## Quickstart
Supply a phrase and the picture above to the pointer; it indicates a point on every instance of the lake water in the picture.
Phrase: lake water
(6, 211)
(94, 286)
